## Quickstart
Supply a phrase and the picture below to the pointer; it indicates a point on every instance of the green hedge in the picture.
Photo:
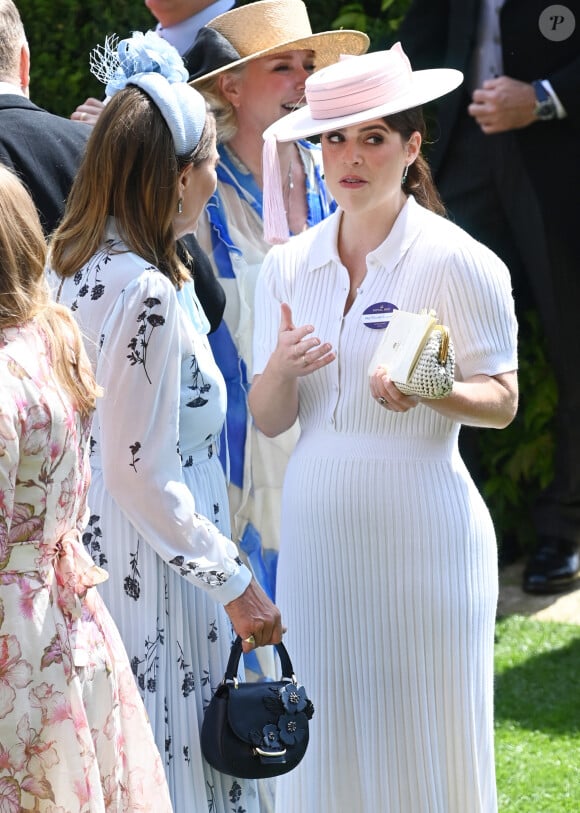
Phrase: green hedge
(517, 462)
(61, 35)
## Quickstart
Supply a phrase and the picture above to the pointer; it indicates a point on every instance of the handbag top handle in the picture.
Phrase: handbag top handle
(236, 653)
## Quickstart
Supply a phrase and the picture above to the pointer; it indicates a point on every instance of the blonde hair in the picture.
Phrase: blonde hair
(129, 171)
(24, 294)
(225, 113)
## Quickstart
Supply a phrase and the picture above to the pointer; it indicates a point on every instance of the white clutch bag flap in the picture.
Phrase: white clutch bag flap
(417, 353)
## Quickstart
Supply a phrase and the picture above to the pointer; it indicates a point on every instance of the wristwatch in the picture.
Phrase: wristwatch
(545, 108)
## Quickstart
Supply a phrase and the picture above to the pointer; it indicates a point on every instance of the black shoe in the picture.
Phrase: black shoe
(554, 567)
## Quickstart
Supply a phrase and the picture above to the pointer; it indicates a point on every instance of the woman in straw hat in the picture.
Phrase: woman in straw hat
(251, 64)
(159, 510)
(388, 569)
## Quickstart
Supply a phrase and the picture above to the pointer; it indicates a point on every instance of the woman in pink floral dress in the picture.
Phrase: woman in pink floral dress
(74, 736)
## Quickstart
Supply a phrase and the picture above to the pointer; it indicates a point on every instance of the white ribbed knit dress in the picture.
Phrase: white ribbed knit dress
(387, 577)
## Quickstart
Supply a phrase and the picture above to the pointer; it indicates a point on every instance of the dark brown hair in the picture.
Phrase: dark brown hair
(419, 181)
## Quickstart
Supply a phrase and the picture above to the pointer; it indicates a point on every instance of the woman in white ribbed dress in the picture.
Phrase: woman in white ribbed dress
(159, 511)
(388, 571)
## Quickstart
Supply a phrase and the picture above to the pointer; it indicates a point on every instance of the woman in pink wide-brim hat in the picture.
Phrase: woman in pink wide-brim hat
(387, 577)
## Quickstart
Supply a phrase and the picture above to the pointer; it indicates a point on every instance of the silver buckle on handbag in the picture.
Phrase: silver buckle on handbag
(261, 753)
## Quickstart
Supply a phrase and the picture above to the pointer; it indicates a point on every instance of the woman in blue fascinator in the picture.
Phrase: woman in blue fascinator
(159, 508)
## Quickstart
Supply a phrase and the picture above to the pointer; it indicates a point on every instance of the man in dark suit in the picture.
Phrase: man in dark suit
(43, 149)
(505, 162)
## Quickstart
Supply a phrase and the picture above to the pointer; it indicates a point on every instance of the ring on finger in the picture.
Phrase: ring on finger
(382, 401)
(250, 640)
(304, 360)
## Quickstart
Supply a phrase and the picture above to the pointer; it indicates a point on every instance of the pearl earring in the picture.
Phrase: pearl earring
(180, 206)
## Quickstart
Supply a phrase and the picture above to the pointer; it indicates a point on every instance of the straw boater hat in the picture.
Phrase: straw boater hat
(354, 90)
(262, 29)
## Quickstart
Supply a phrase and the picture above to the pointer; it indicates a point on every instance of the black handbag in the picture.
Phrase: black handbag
(256, 730)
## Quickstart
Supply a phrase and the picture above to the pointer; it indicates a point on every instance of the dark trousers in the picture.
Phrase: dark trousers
(488, 193)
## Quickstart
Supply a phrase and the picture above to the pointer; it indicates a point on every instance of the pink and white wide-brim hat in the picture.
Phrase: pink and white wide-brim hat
(354, 90)
(362, 88)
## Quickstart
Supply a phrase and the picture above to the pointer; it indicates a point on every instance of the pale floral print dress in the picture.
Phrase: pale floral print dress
(74, 735)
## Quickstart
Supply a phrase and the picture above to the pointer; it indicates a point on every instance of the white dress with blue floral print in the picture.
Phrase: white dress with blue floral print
(159, 509)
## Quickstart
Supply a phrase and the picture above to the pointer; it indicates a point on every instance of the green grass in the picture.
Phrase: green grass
(537, 716)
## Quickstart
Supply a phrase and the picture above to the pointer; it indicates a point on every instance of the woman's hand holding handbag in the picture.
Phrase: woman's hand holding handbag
(418, 355)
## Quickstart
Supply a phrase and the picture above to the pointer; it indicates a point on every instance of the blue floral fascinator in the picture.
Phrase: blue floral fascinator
(152, 64)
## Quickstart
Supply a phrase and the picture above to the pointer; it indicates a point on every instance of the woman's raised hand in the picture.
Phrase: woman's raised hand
(298, 353)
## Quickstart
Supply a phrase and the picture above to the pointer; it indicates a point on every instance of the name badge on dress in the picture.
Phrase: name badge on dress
(377, 316)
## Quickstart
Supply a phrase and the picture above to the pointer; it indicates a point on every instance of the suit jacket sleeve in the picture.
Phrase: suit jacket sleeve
(423, 33)
(566, 84)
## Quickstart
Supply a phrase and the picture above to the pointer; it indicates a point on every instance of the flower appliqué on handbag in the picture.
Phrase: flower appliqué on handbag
(257, 729)
(294, 710)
